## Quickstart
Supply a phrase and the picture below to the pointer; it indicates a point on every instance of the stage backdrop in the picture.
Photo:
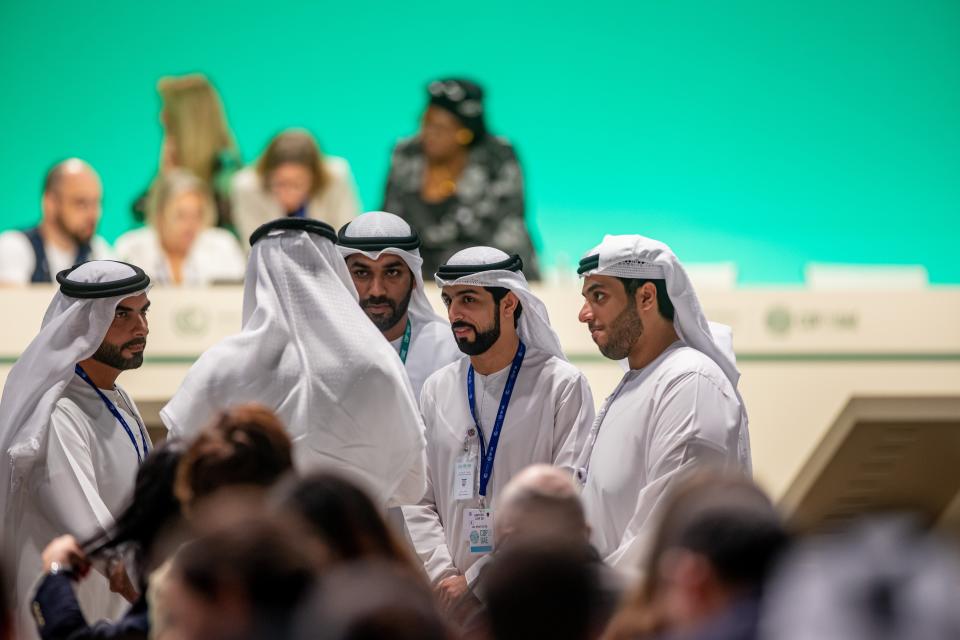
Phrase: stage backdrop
(765, 133)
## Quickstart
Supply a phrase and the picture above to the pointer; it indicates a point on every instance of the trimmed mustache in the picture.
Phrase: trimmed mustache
(373, 300)
(460, 324)
(133, 343)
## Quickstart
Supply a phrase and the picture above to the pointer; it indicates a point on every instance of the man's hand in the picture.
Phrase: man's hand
(120, 581)
(66, 552)
(450, 591)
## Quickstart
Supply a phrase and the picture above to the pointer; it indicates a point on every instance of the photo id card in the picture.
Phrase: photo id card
(479, 529)
(464, 477)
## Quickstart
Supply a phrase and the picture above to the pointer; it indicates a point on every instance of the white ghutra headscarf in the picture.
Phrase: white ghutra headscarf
(489, 267)
(308, 352)
(377, 233)
(635, 256)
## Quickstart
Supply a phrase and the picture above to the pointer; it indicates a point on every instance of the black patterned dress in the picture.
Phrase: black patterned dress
(486, 209)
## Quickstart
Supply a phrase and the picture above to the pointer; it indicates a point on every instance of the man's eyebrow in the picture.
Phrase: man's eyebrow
(592, 287)
(466, 292)
(395, 263)
(121, 307)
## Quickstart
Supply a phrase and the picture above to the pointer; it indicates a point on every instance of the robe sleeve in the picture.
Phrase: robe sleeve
(428, 537)
(412, 486)
(688, 433)
(70, 492)
(572, 422)
(424, 526)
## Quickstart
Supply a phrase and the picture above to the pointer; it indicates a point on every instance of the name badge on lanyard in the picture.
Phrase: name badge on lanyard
(478, 529)
(488, 451)
(464, 477)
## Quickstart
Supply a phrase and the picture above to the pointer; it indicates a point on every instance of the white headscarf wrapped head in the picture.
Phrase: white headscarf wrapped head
(308, 352)
(635, 256)
(489, 267)
(376, 233)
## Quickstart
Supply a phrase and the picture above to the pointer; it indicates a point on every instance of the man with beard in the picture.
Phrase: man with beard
(516, 401)
(677, 407)
(65, 236)
(71, 439)
(383, 255)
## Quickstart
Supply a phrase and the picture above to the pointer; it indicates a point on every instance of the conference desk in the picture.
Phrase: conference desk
(803, 354)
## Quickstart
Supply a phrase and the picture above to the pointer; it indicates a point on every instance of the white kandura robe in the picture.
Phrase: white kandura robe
(85, 482)
(432, 347)
(308, 353)
(548, 418)
(678, 412)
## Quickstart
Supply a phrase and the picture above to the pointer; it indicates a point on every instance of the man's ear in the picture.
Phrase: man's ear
(509, 306)
(646, 297)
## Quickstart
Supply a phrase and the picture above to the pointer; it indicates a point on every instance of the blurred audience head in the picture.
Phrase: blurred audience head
(244, 445)
(541, 502)
(153, 512)
(882, 578)
(454, 119)
(71, 203)
(194, 124)
(545, 590)
(342, 517)
(242, 576)
(719, 538)
(180, 206)
(369, 600)
(291, 169)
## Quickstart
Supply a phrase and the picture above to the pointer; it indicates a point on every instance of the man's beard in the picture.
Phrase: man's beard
(70, 233)
(111, 355)
(397, 311)
(482, 340)
(623, 332)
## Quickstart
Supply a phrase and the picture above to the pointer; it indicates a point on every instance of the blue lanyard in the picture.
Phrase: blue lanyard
(116, 414)
(405, 343)
(489, 452)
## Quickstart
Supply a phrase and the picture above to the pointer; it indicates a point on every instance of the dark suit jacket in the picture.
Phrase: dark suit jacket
(58, 615)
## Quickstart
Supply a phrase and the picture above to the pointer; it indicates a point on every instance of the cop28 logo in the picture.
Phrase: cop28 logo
(191, 321)
(781, 320)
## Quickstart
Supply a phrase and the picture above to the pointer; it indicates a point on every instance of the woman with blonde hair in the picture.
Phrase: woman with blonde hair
(196, 138)
(180, 245)
(293, 178)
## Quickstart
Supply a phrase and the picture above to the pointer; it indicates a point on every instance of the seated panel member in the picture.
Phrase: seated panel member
(383, 255)
(72, 195)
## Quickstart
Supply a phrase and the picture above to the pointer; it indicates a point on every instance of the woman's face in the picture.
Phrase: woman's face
(290, 184)
(438, 132)
(182, 221)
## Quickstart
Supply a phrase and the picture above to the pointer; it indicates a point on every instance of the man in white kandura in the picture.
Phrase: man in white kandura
(72, 440)
(307, 352)
(675, 409)
(516, 401)
(383, 255)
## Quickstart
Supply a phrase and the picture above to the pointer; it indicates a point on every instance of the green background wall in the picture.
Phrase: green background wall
(768, 133)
